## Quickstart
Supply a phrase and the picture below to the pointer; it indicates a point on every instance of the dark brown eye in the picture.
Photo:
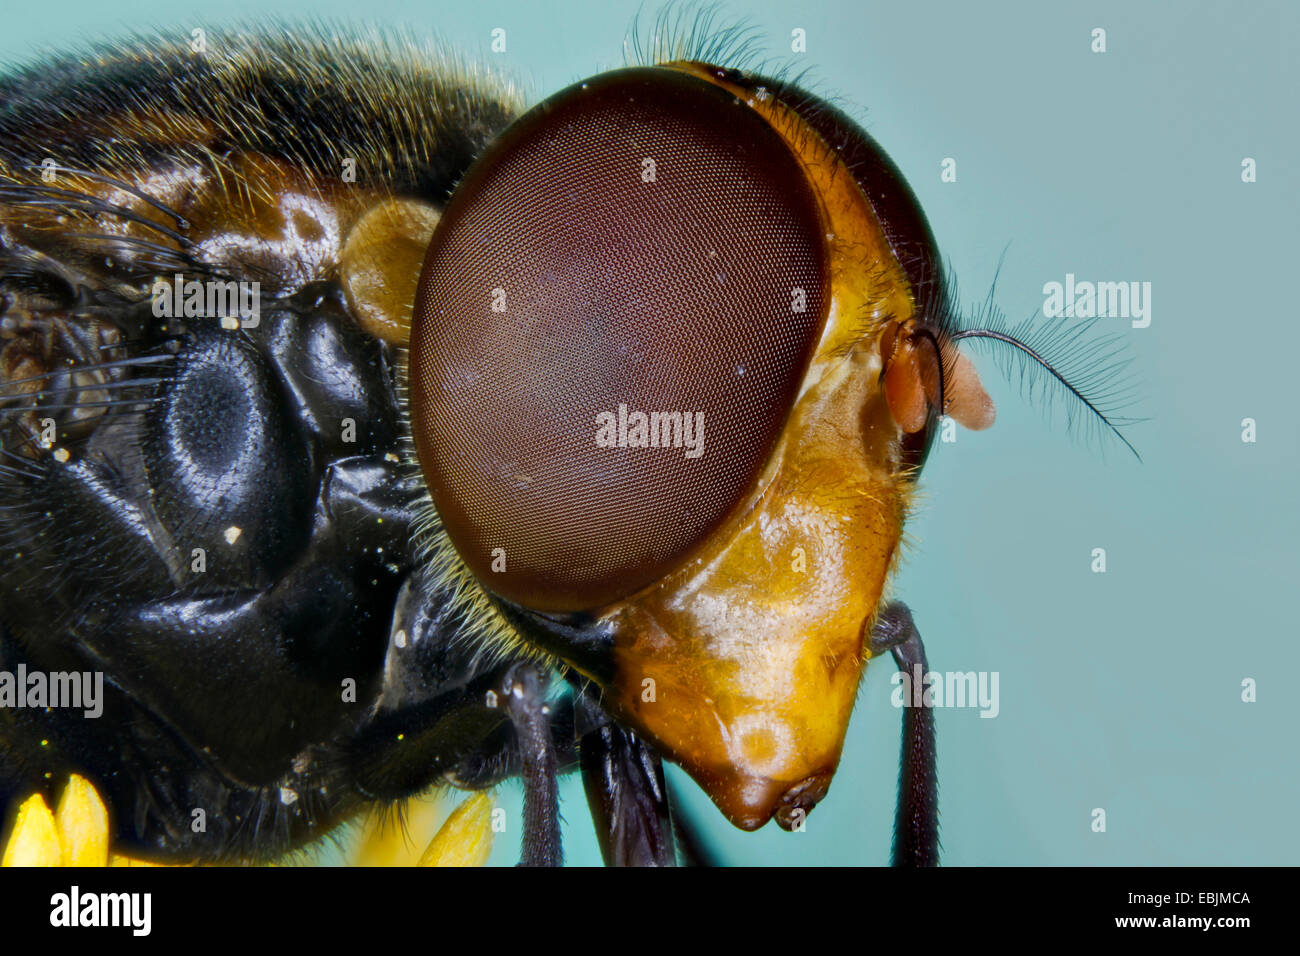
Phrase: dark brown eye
(615, 314)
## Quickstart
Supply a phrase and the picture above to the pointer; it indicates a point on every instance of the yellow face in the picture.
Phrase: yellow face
(745, 662)
(739, 655)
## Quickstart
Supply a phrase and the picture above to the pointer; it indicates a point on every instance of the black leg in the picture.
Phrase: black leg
(916, 822)
(625, 788)
(690, 844)
(523, 697)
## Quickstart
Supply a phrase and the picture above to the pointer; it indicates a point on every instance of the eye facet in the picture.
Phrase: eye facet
(614, 318)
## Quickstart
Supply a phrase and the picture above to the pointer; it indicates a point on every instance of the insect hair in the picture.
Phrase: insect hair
(698, 32)
(339, 83)
(486, 632)
(1054, 362)
(693, 31)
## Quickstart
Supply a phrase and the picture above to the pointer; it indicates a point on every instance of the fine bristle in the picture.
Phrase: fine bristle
(1057, 361)
(487, 632)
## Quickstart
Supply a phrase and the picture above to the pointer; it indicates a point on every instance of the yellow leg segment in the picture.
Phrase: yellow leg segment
(35, 837)
(385, 843)
(82, 821)
(77, 834)
(466, 838)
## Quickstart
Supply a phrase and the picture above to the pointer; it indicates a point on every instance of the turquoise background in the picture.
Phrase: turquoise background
(1119, 690)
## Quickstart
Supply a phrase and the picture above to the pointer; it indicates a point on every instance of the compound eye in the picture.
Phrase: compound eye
(615, 315)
